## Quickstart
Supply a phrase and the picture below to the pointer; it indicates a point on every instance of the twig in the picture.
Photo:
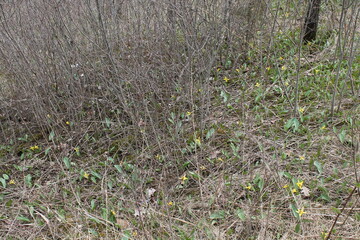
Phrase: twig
(338, 215)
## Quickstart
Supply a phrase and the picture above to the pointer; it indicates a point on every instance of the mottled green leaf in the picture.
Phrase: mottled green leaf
(218, 215)
(240, 213)
(318, 166)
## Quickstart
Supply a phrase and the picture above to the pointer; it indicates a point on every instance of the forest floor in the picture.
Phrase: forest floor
(263, 168)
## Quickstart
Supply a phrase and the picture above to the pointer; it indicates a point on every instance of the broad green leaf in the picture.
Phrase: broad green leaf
(119, 168)
(61, 214)
(28, 179)
(194, 175)
(297, 228)
(342, 136)
(172, 119)
(31, 211)
(126, 235)
(318, 165)
(95, 219)
(296, 124)
(235, 149)
(51, 135)
(334, 129)
(67, 163)
(112, 218)
(228, 63)
(286, 174)
(225, 96)
(293, 210)
(240, 213)
(93, 232)
(210, 133)
(110, 184)
(261, 183)
(187, 163)
(128, 167)
(325, 196)
(47, 150)
(81, 173)
(218, 215)
(104, 213)
(292, 123)
(92, 204)
(258, 97)
(93, 179)
(107, 122)
(9, 203)
(289, 124)
(96, 174)
(3, 182)
(22, 218)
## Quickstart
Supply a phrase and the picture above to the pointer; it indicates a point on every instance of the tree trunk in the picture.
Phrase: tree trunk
(311, 21)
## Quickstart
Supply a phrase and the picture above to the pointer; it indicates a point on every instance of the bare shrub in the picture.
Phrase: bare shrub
(86, 61)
